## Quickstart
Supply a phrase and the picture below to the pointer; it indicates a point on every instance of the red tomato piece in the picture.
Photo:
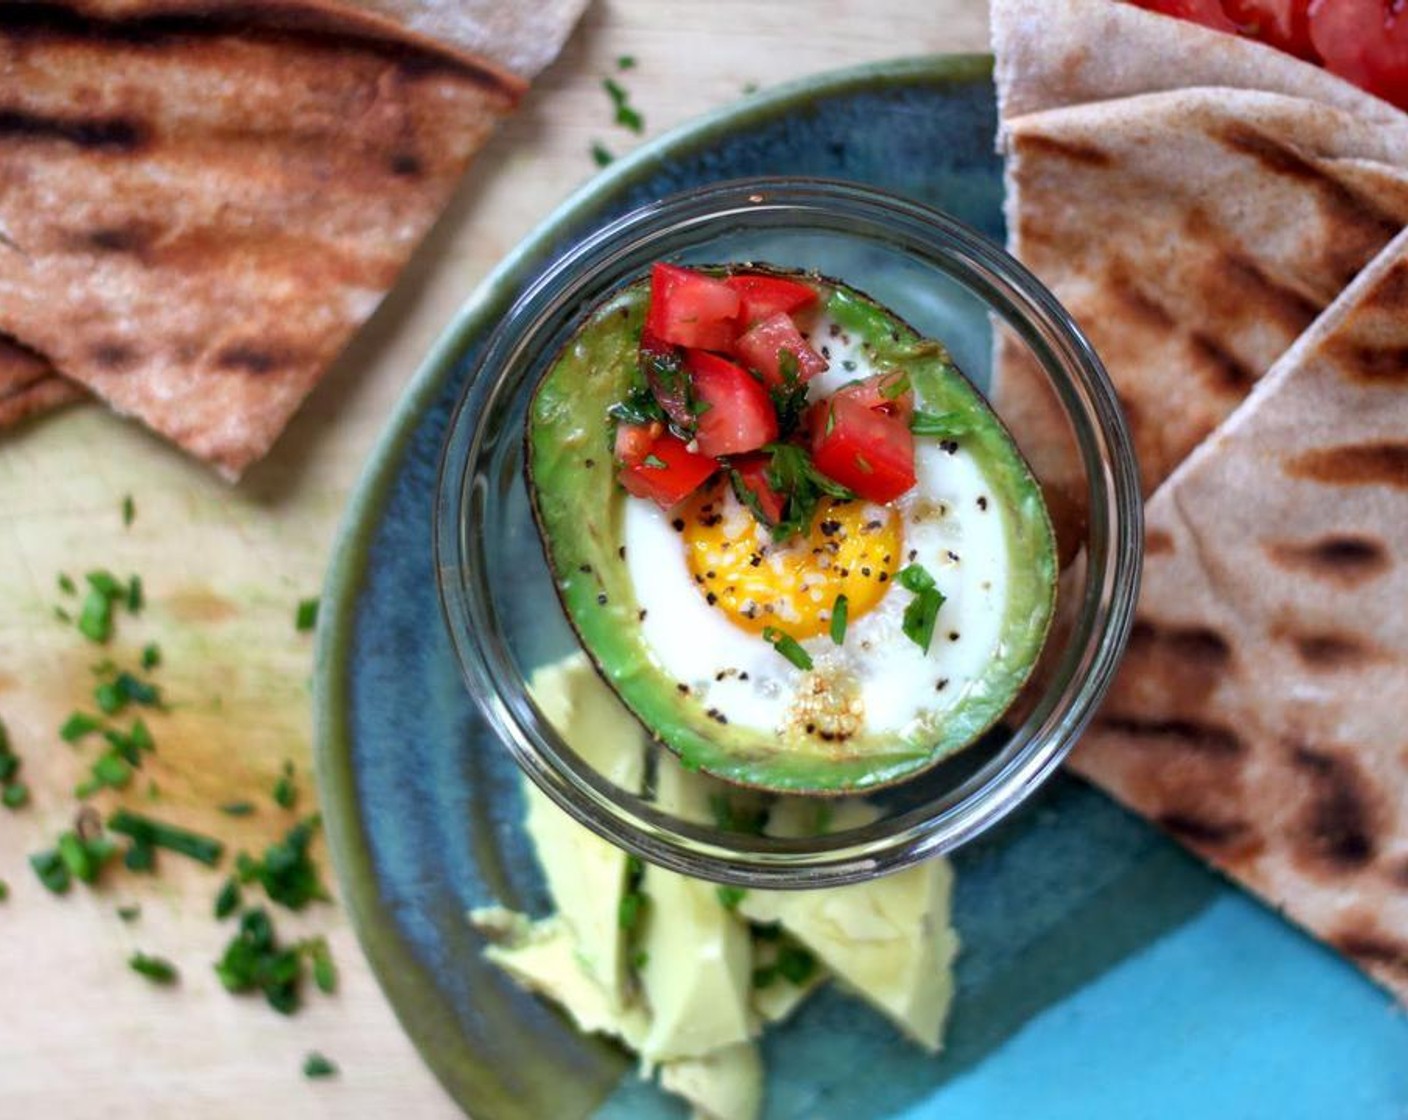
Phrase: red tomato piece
(889, 393)
(688, 308)
(752, 473)
(1364, 42)
(1207, 12)
(863, 449)
(765, 296)
(762, 348)
(633, 441)
(740, 416)
(668, 473)
(1284, 24)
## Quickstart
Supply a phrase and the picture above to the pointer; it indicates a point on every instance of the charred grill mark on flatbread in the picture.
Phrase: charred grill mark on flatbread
(1229, 373)
(1360, 464)
(1137, 304)
(1337, 827)
(1086, 154)
(1373, 949)
(1399, 874)
(1328, 651)
(1363, 227)
(1347, 560)
(247, 357)
(1158, 542)
(1245, 279)
(405, 164)
(1205, 832)
(1182, 662)
(131, 238)
(1194, 643)
(93, 134)
(255, 22)
(1207, 739)
(1372, 364)
(114, 355)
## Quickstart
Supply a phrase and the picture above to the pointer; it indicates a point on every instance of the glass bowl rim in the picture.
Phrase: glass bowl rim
(1002, 783)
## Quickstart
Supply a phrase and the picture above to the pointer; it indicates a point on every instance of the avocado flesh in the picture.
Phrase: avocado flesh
(579, 509)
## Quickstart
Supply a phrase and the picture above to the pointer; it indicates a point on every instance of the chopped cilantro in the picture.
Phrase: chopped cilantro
(790, 397)
(78, 726)
(62, 615)
(915, 578)
(149, 833)
(601, 155)
(156, 969)
(892, 388)
(840, 612)
(316, 1066)
(129, 510)
(110, 771)
(626, 115)
(730, 897)
(792, 476)
(923, 609)
(306, 617)
(788, 646)
(639, 959)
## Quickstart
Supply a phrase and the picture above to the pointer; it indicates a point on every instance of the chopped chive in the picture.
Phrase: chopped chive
(129, 510)
(324, 970)
(66, 585)
(51, 870)
(9, 767)
(788, 646)
(228, 900)
(306, 618)
(316, 1066)
(129, 913)
(77, 726)
(237, 808)
(84, 857)
(156, 969)
(136, 598)
(285, 794)
(626, 62)
(730, 897)
(151, 656)
(254, 961)
(840, 611)
(140, 856)
(157, 834)
(915, 578)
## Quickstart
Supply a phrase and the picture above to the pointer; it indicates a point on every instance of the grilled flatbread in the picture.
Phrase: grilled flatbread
(1193, 235)
(203, 201)
(29, 386)
(1260, 714)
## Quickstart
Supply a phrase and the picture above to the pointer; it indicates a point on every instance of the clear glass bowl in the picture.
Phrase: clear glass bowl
(947, 282)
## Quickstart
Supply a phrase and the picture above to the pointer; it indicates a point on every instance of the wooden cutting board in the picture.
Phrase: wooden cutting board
(81, 1035)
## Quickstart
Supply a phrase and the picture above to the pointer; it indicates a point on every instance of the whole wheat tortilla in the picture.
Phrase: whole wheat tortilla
(1072, 52)
(202, 201)
(1193, 235)
(1261, 715)
(29, 386)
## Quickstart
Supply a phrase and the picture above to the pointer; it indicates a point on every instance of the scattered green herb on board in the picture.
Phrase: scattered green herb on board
(626, 62)
(285, 793)
(156, 969)
(324, 970)
(150, 834)
(129, 913)
(601, 154)
(238, 808)
(228, 900)
(305, 618)
(151, 656)
(626, 114)
(14, 794)
(129, 511)
(316, 1066)
(254, 961)
(66, 584)
(287, 872)
(4, 890)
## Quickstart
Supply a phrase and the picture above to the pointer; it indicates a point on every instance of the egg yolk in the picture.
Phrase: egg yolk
(852, 549)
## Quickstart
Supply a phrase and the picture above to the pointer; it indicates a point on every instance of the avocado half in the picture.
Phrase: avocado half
(579, 509)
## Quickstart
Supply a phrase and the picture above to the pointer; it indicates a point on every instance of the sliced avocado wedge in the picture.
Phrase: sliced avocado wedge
(580, 509)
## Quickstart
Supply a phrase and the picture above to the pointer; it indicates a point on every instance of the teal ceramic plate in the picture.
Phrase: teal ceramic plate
(1105, 973)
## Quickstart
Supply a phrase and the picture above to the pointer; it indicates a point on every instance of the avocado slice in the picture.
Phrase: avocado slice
(580, 511)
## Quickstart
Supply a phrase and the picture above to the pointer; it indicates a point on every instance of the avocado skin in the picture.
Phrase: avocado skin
(579, 510)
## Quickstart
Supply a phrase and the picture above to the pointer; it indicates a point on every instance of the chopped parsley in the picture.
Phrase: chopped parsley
(306, 617)
(156, 969)
(316, 1066)
(788, 646)
(626, 114)
(792, 476)
(150, 834)
(840, 613)
(923, 609)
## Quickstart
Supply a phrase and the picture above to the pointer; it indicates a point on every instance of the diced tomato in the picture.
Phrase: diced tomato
(764, 296)
(633, 441)
(668, 473)
(740, 415)
(688, 308)
(1207, 12)
(1364, 42)
(1284, 24)
(863, 448)
(762, 349)
(889, 393)
(752, 473)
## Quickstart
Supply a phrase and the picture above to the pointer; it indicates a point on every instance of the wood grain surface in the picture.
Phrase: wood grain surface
(81, 1035)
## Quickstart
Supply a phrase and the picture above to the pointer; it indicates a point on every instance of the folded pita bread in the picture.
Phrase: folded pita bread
(1194, 235)
(204, 201)
(1072, 52)
(29, 386)
(1260, 714)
